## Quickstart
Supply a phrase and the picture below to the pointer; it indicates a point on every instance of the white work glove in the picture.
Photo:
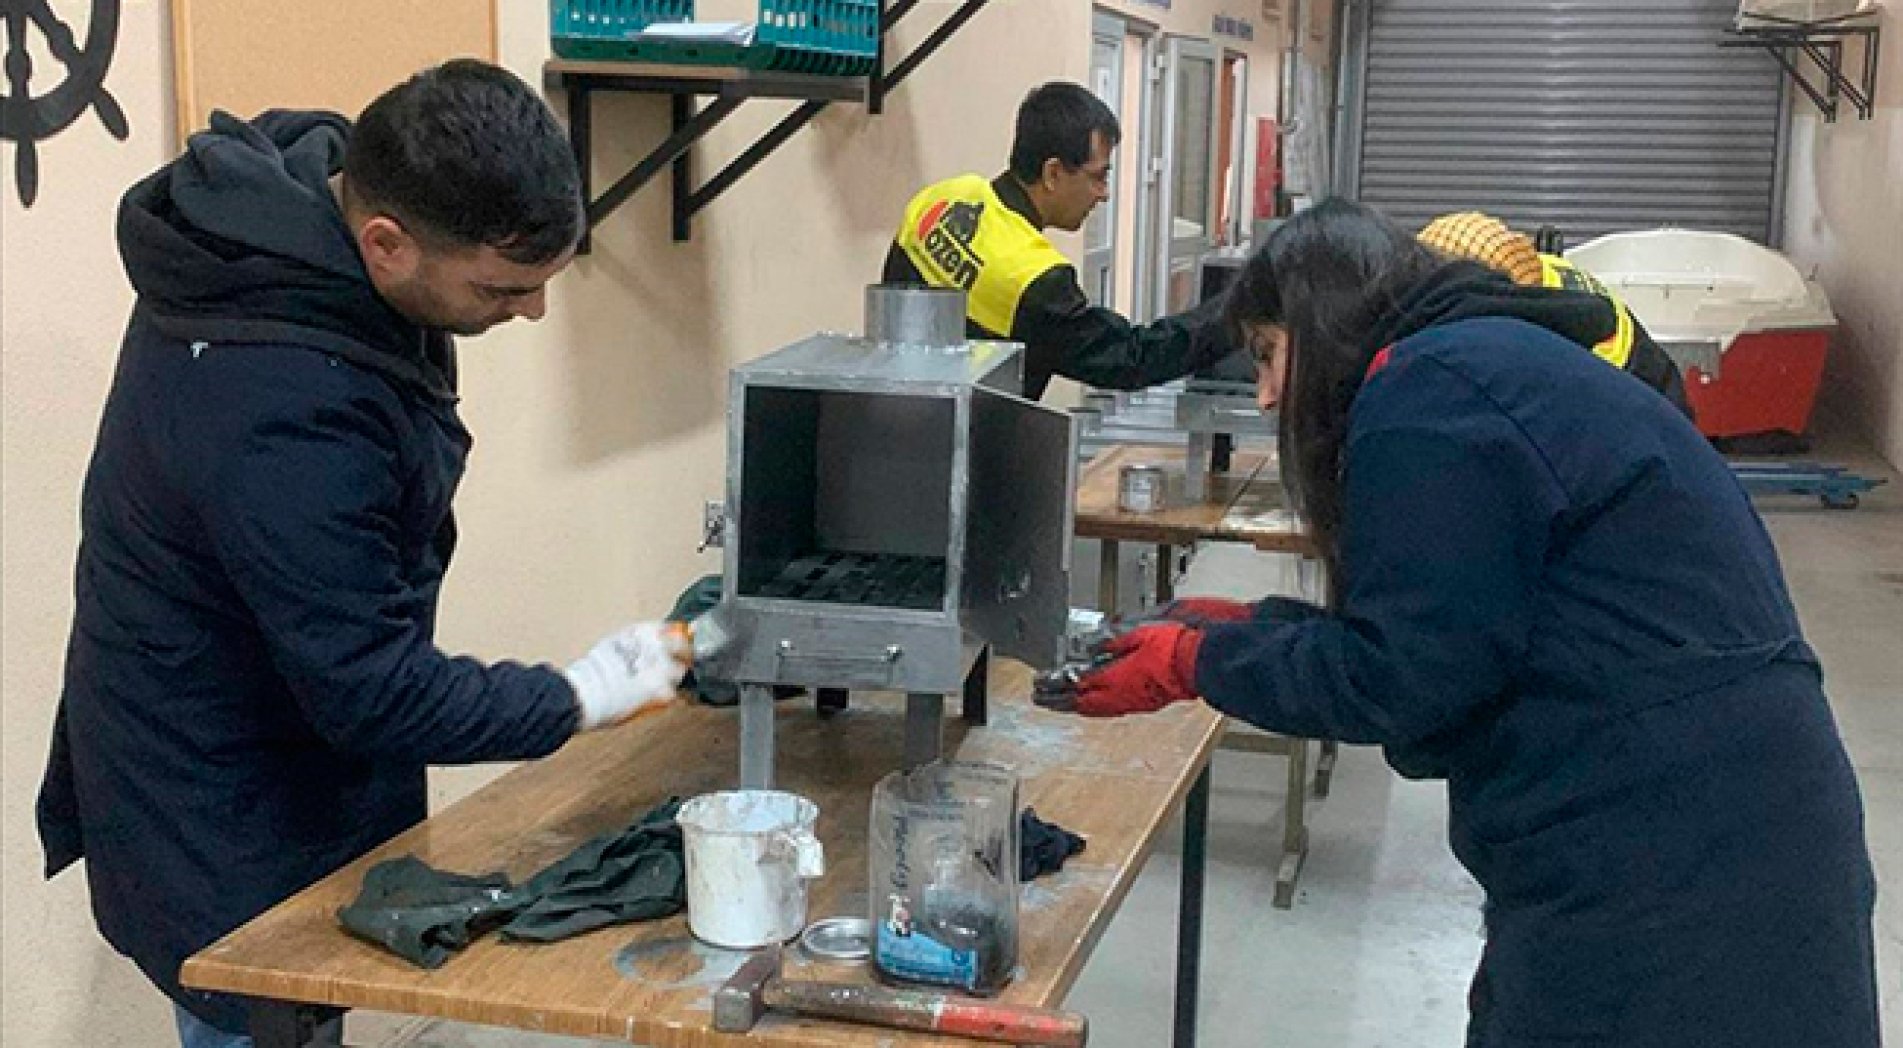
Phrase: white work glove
(628, 670)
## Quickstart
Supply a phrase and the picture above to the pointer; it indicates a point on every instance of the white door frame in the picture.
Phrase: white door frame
(1169, 247)
(1239, 197)
(1099, 275)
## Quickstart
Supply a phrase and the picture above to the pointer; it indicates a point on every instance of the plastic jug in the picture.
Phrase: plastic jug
(943, 861)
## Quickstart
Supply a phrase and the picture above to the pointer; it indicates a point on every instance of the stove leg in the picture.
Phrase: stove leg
(1196, 469)
(1221, 449)
(978, 689)
(756, 736)
(924, 728)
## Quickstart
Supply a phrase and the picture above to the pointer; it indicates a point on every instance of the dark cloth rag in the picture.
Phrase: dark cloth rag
(1043, 846)
(699, 598)
(424, 915)
(635, 875)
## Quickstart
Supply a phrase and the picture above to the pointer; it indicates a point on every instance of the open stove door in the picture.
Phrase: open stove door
(1023, 481)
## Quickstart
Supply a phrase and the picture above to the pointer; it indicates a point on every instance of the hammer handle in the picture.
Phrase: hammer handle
(930, 1012)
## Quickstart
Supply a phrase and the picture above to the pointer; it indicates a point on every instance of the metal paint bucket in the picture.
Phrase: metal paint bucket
(749, 856)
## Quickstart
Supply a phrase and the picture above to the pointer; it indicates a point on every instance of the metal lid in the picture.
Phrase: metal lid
(839, 938)
(1138, 468)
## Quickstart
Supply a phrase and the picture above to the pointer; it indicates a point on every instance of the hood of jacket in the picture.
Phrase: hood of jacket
(242, 240)
(1468, 291)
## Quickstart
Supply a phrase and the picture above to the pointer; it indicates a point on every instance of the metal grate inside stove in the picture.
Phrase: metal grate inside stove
(878, 579)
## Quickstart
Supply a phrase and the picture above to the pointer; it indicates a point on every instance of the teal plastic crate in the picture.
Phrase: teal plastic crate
(827, 37)
(820, 37)
(601, 30)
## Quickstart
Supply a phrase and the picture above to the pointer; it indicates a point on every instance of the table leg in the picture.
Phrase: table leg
(1325, 766)
(1294, 825)
(1107, 554)
(288, 1024)
(1165, 574)
(756, 736)
(1189, 918)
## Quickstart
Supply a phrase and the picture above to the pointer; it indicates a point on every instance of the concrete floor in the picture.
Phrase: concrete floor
(1386, 928)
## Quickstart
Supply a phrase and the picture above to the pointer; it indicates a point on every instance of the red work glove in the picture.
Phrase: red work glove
(1204, 611)
(1154, 666)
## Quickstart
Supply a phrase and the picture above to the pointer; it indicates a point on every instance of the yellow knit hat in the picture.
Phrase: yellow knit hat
(1486, 240)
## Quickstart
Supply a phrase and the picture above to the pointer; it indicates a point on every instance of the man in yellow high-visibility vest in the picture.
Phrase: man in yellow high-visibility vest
(987, 237)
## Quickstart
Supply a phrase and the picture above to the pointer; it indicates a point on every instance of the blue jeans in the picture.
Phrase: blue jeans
(194, 1032)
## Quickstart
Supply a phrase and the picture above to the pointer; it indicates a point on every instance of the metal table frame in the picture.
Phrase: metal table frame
(1294, 852)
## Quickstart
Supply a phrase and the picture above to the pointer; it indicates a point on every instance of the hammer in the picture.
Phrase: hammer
(757, 987)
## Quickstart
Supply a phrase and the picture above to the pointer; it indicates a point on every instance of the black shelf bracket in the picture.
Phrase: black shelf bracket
(726, 88)
(1790, 42)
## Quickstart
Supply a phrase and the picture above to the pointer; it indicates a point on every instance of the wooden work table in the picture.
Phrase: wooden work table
(1115, 782)
(1246, 504)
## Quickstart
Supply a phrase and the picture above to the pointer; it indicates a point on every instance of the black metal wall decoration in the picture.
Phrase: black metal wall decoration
(25, 120)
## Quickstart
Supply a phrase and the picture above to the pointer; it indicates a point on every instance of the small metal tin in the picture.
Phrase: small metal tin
(838, 938)
(1140, 488)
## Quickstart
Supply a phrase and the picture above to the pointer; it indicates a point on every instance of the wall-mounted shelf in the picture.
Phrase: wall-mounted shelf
(725, 87)
(1789, 42)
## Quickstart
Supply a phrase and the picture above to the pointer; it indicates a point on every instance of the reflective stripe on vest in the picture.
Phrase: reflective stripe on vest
(959, 234)
(1616, 349)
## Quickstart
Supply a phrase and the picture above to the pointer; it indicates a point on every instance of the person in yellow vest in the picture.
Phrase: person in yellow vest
(1626, 344)
(987, 237)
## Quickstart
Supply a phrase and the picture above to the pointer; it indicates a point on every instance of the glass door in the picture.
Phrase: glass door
(1186, 230)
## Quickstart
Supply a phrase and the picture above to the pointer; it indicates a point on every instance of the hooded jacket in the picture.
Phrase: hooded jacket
(1582, 311)
(1556, 596)
(252, 687)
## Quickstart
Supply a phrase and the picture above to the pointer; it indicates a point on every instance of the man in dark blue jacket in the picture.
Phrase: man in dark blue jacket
(252, 689)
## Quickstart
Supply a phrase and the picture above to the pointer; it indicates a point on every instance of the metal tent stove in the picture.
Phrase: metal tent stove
(895, 513)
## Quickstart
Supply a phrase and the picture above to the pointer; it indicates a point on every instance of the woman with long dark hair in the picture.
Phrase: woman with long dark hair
(1547, 589)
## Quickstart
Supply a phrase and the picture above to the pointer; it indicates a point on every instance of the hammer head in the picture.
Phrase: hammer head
(740, 1002)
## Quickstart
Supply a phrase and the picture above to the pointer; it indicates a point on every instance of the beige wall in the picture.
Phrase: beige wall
(1843, 219)
(599, 430)
(63, 299)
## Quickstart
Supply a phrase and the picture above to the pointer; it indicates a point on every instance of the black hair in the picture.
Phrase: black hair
(1056, 121)
(1328, 277)
(466, 155)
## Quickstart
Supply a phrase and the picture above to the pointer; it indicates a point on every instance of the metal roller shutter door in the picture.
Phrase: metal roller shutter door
(1593, 117)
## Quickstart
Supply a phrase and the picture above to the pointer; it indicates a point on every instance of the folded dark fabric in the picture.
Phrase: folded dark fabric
(1043, 846)
(424, 915)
